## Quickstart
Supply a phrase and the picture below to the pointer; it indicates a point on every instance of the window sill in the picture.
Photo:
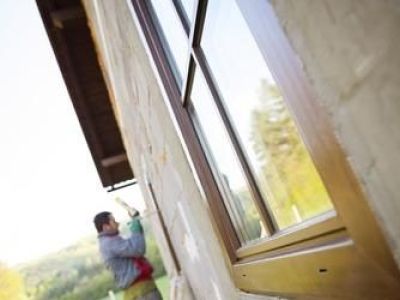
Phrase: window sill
(321, 225)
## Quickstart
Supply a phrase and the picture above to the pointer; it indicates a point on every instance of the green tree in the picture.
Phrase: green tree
(289, 178)
(11, 284)
(77, 272)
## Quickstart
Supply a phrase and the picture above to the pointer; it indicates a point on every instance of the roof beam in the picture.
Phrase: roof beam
(65, 17)
(113, 160)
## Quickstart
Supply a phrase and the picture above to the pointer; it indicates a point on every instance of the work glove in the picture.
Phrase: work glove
(135, 225)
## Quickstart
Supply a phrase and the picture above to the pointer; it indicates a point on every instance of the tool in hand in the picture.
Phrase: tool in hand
(131, 211)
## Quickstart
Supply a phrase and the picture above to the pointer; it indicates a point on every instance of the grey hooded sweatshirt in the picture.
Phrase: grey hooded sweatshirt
(117, 254)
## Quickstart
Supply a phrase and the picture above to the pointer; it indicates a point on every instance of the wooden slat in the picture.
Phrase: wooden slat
(65, 17)
(315, 227)
(113, 160)
(334, 270)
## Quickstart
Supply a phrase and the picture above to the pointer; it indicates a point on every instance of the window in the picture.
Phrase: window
(293, 218)
(284, 172)
(231, 179)
(172, 32)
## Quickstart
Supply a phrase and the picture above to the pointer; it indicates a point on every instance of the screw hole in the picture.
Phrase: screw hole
(323, 270)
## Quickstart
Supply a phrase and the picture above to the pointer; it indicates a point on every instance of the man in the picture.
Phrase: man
(124, 257)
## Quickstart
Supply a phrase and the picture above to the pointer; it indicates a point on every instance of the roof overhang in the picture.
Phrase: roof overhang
(67, 28)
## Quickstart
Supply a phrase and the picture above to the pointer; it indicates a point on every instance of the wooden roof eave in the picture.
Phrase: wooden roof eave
(68, 32)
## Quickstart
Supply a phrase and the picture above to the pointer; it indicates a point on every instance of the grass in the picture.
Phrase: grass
(162, 284)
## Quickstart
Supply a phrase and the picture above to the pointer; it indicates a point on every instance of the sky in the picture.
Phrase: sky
(49, 187)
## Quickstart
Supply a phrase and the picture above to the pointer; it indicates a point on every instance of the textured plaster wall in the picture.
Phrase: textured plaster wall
(350, 51)
(155, 151)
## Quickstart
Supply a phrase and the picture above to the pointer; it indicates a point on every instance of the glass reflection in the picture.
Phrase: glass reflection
(287, 178)
(172, 31)
(229, 176)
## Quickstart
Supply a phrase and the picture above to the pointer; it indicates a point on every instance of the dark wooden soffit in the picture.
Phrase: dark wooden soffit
(69, 34)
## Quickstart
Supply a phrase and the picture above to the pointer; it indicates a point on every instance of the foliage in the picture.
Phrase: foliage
(77, 272)
(290, 181)
(11, 284)
(250, 227)
(153, 255)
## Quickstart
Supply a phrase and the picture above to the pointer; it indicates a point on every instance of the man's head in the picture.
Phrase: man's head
(105, 222)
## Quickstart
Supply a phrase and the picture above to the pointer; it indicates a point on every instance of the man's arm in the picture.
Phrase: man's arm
(134, 246)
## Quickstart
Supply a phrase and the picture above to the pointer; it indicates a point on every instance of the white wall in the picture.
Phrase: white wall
(350, 50)
(155, 151)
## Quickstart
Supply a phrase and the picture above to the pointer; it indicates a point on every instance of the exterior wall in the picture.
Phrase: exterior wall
(350, 52)
(156, 153)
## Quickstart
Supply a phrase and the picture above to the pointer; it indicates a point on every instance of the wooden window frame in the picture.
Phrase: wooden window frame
(182, 117)
(200, 62)
(310, 258)
(182, 15)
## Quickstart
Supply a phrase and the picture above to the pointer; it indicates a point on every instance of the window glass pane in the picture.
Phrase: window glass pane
(188, 7)
(287, 178)
(229, 176)
(174, 34)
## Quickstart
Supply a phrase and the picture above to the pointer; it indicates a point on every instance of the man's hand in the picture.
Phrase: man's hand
(135, 226)
(133, 213)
